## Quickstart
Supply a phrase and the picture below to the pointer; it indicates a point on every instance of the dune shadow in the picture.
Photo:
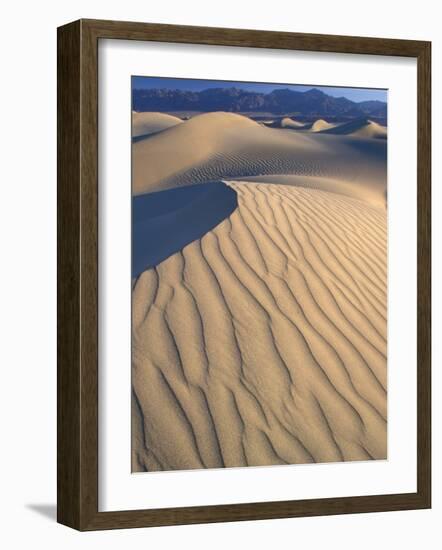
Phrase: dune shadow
(165, 222)
(149, 135)
(369, 147)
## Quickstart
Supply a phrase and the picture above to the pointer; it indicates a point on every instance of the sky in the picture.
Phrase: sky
(354, 94)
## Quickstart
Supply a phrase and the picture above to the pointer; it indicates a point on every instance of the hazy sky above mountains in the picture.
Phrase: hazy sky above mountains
(194, 85)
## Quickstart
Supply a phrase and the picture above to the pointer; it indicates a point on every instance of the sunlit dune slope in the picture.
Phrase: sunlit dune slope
(288, 122)
(372, 192)
(321, 125)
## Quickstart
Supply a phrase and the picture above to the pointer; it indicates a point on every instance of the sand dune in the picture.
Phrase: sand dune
(291, 123)
(147, 123)
(264, 341)
(321, 125)
(361, 128)
(217, 146)
(260, 310)
(370, 191)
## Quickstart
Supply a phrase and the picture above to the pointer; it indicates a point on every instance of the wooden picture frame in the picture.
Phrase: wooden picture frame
(78, 274)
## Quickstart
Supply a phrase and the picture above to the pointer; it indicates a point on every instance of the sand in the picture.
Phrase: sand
(263, 342)
(288, 122)
(359, 128)
(217, 146)
(372, 192)
(320, 125)
(147, 123)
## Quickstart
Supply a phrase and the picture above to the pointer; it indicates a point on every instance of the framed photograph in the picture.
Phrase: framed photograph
(243, 275)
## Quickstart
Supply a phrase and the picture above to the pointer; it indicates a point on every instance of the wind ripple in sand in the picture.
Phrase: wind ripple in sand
(264, 342)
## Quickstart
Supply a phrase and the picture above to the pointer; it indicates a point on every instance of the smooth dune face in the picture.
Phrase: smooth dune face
(147, 123)
(262, 339)
(264, 342)
(157, 160)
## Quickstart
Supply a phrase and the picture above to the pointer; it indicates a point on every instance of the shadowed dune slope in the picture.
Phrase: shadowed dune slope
(264, 341)
(147, 123)
(217, 146)
(165, 222)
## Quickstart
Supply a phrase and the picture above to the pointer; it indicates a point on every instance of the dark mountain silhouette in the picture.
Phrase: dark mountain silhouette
(280, 101)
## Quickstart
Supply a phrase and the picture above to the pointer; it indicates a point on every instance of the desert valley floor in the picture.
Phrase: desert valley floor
(259, 304)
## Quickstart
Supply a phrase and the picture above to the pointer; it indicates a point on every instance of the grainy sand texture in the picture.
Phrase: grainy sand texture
(261, 337)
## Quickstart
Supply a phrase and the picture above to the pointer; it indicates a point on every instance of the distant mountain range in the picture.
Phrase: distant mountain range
(313, 102)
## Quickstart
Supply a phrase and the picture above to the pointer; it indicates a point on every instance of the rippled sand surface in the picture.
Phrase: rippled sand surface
(263, 341)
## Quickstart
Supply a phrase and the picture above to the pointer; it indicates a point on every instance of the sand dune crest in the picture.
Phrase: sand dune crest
(147, 123)
(320, 125)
